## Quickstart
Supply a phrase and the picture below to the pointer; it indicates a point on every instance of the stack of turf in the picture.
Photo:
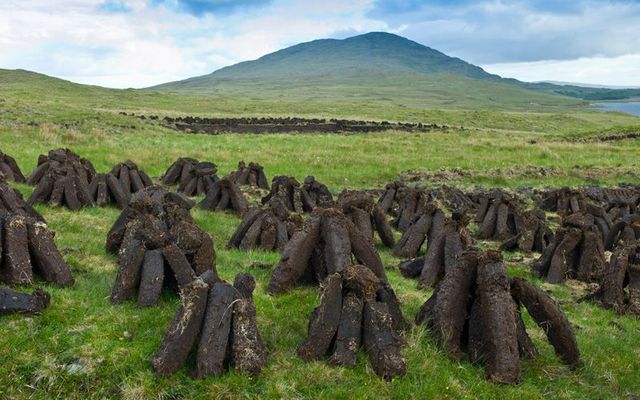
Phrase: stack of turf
(354, 311)
(267, 229)
(9, 169)
(217, 322)
(158, 245)
(62, 179)
(225, 195)
(251, 175)
(118, 185)
(476, 309)
(367, 215)
(194, 178)
(323, 246)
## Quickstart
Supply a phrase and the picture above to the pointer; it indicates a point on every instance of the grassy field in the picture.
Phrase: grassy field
(84, 347)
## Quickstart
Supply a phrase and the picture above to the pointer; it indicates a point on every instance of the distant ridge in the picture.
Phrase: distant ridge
(589, 85)
(370, 54)
(366, 61)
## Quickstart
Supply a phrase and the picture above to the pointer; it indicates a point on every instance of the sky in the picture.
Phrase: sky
(139, 43)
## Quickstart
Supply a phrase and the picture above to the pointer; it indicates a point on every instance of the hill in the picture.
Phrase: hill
(375, 53)
(365, 64)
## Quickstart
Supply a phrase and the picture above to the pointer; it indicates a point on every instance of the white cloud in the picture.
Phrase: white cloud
(494, 31)
(614, 71)
(151, 45)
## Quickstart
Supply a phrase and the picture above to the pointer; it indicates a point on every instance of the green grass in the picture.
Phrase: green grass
(84, 347)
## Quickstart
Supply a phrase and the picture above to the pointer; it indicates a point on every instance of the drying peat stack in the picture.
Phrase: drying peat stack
(389, 199)
(622, 272)
(453, 199)
(577, 252)
(476, 308)
(323, 246)
(448, 238)
(564, 201)
(193, 178)
(158, 245)
(267, 229)
(367, 215)
(354, 311)
(217, 322)
(12, 202)
(412, 203)
(625, 230)
(62, 178)
(287, 190)
(9, 169)
(225, 195)
(27, 248)
(251, 175)
(619, 201)
(315, 194)
(118, 185)
(298, 198)
(502, 217)
(531, 232)
(12, 302)
(418, 233)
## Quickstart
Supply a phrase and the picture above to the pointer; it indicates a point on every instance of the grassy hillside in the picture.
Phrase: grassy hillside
(83, 347)
(375, 66)
(369, 65)
(371, 53)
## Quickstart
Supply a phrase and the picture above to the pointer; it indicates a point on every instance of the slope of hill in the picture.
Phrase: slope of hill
(375, 53)
(365, 60)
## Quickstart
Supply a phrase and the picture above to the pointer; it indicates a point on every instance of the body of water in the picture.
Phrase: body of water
(632, 107)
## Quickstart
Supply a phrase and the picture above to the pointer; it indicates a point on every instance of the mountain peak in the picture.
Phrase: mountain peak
(372, 55)
(371, 67)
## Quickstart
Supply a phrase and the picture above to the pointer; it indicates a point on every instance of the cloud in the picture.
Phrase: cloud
(614, 71)
(499, 31)
(201, 7)
(138, 43)
(148, 45)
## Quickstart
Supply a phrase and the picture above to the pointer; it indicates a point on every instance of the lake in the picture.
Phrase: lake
(632, 107)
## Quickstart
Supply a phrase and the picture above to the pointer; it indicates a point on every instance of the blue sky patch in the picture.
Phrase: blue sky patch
(202, 7)
(114, 6)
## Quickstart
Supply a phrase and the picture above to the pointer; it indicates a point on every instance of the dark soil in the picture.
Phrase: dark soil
(11, 201)
(446, 239)
(619, 288)
(287, 190)
(503, 217)
(214, 126)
